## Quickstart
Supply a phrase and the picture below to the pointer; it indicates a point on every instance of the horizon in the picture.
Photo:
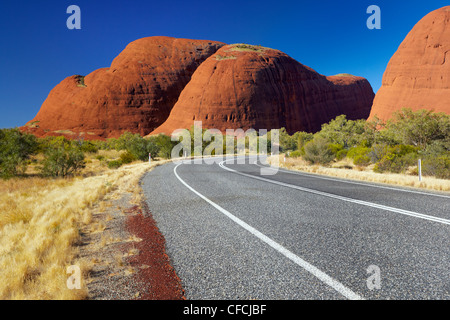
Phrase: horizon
(330, 37)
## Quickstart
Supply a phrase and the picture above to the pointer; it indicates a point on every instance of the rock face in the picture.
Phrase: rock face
(136, 93)
(243, 86)
(418, 75)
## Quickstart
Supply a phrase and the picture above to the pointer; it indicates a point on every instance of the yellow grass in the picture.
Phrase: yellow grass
(342, 170)
(40, 221)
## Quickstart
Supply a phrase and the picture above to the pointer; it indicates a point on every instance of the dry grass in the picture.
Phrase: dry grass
(40, 223)
(345, 169)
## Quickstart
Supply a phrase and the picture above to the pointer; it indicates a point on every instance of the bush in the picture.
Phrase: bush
(127, 157)
(419, 128)
(15, 149)
(438, 167)
(341, 154)
(62, 158)
(88, 146)
(295, 154)
(138, 146)
(347, 133)
(397, 159)
(360, 155)
(164, 145)
(114, 164)
(318, 151)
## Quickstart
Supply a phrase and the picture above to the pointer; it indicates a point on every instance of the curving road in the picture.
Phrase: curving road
(233, 233)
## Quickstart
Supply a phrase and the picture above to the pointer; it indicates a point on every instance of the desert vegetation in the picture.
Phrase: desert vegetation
(49, 185)
(48, 190)
(387, 148)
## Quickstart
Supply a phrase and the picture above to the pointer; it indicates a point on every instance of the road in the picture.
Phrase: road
(232, 233)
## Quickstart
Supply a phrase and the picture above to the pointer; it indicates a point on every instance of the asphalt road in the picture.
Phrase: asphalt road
(233, 233)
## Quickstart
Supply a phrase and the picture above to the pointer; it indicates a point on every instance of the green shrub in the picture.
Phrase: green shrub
(438, 166)
(15, 149)
(127, 157)
(341, 154)
(114, 164)
(419, 128)
(88, 146)
(318, 151)
(397, 159)
(295, 154)
(359, 155)
(347, 133)
(62, 158)
(138, 146)
(164, 145)
(302, 139)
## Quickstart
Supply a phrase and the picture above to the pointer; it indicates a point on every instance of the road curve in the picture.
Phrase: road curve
(232, 233)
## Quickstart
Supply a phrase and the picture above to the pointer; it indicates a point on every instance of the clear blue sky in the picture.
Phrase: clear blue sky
(38, 51)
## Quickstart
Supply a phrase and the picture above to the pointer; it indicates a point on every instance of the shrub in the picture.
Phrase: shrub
(360, 155)
(127, 157)
(114, 164)
(397, 159)
(62, 158)
(419, 128)
(347, 133)
(438, 167)
(138, 146)
(295, 154)
(164, 145)
(341, 154)
(15, 149)
(302, 139)
(88, 146)
(318, 151)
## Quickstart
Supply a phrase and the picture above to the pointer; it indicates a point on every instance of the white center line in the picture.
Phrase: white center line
(330, 195)
(322, 276)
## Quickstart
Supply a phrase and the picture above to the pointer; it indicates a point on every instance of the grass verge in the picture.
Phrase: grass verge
(40, 224)
(345, 169)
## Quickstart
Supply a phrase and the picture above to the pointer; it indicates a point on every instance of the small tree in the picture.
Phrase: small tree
(15, 148)
(318, 151)
(62, 158)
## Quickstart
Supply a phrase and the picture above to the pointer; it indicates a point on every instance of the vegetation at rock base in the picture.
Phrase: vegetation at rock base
(393, 147)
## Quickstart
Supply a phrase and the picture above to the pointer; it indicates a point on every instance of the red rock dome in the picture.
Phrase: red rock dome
(243, 86)
(136, 93)
(418, 75)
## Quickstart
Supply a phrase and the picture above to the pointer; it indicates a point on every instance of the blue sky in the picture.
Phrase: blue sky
(38, 51)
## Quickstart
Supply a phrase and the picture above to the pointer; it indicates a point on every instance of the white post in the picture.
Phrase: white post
(420, 169)
(149, 158)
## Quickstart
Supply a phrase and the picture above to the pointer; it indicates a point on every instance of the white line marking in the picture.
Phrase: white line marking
(330, 195)
(336, 285)
(346, 181)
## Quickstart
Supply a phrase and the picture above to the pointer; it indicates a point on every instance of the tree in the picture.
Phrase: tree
(347, 133)
(136, 145)
(318, 151)
(15, 148)
(62, 157)
(419, 128)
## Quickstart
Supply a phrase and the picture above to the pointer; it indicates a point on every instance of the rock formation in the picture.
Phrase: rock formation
(136, 93)
(418, 75)
(243, 86)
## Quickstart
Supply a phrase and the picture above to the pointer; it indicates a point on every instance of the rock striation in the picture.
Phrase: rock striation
(418, 74)
(243, 86)
(136, 93)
